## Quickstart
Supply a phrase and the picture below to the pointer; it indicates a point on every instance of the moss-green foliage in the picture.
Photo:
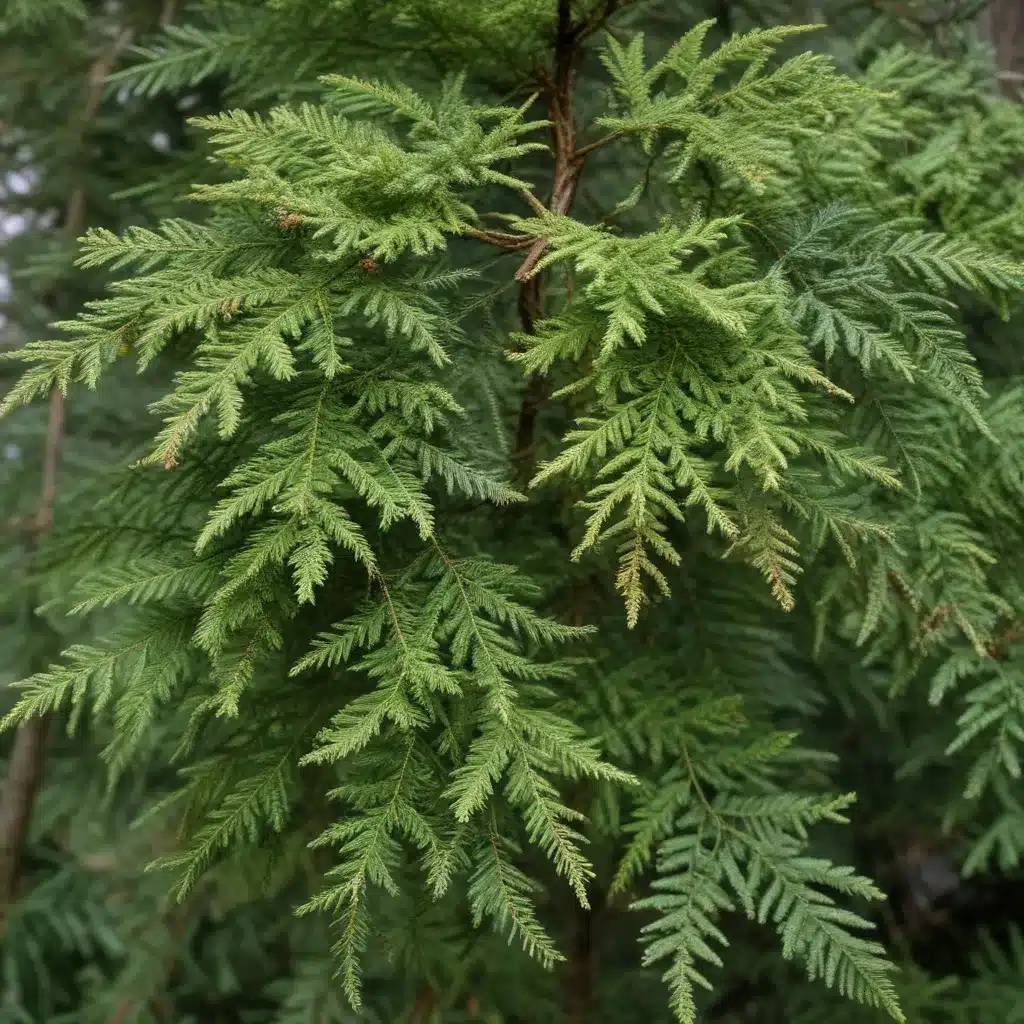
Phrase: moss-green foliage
(361, 649)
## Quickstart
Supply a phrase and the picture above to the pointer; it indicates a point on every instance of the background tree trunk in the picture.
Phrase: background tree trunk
(1003, 26)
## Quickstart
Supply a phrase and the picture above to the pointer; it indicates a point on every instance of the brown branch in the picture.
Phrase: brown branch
(557, 88)
(581, 969)
(48, 493)
(568, 164)
(596, 144)
(532, 259)
(25, 767)
(1004, 27)
(501, 239)
(534, 203)
(24, 773)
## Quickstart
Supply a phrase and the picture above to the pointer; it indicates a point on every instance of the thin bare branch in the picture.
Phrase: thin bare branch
(596, 144)
(501, 239)
(25, 767)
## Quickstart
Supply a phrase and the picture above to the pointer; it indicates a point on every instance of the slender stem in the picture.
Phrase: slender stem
(501, 239)
(54, 434)
(534, 203)
(558, 91)
(596, 144)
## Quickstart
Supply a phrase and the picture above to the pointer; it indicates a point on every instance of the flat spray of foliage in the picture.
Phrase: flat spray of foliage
(762, 373)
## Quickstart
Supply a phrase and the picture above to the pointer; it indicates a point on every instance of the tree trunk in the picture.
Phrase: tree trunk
(1003, 26)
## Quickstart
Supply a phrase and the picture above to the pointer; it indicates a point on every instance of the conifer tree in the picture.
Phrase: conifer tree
(572, 421)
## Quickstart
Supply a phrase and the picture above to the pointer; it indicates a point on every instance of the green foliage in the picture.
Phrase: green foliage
(430, 604)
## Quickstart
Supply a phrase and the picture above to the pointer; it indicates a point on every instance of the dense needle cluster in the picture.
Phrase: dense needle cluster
(501, 536)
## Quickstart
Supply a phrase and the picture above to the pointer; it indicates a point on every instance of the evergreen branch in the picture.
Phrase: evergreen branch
(499, 890)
